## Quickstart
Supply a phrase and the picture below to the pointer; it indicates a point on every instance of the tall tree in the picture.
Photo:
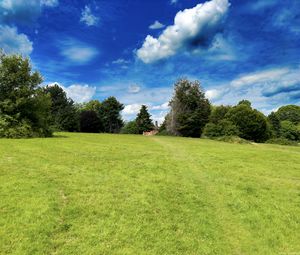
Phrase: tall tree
(111, 115)
(143, 120)
(190, 109)
(251, 123)
(64, 115)
(90, 122)
(290, 113)
(274, 124)
(24, 108)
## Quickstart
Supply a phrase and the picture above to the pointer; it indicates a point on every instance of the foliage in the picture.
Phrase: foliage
(289, 131)
(274, 124)
(222, 128)
(251, 123)
(290, 113)
(93, 105)
(24, 107)
(282, 141)
(90, 122)
(64, 115)
(190, 109)
(143, 120)
(130, 128)
(232, 139)
(110, 115)
(218, 113)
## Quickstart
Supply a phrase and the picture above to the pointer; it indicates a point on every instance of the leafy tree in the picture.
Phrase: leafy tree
(90, 122)
(290, 113)
(64, 115)
(24, 108)
(274, 124)
(93, 105)
(289, 131)
(143, 120)
(190, 109)
(222, 128)
(110, 115)
(218, 113)
(245, 102)
(251, 123)
(130, 128)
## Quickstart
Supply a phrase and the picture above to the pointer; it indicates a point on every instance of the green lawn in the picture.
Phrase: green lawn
(122, 194)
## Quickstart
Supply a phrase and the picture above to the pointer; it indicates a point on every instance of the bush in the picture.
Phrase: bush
(130, 128)
(11, 128)
(232, 139)
(222, 128)
(282, 141)
(289, 131)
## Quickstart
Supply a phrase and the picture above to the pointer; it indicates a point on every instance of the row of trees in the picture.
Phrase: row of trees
(29, 110)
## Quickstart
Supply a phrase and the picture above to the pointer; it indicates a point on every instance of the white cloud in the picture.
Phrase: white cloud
(261, 5)
(134, 88)
(77, 52)
(191, 27)
(131, 109)
(164, 106)
(266, 89)
(88, 18)
(12, 42)
(50, 3)
(79, 93)
(120, 61)
(156, 25)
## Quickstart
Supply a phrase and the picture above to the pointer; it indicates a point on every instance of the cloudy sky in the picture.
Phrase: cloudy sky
(136, 50)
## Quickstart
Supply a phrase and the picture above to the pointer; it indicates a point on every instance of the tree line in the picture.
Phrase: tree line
(29, 110)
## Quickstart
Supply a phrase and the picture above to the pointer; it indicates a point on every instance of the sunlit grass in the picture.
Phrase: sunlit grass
(122, 194)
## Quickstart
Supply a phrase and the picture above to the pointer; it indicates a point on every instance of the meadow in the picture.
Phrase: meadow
(128, 194)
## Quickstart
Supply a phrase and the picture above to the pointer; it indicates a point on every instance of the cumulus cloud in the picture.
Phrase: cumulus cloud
(156, 25)
(13, 42)
(192, 27)
(21, 11)
(266, 89)
(131, 109)
(79, 93)
(77, 52)
(88, 18)
(164, 106)
(120, 61)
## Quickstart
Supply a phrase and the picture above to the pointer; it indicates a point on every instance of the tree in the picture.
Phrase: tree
(290, 113)
(143, 120)
(64, 115)
(190, 109)
(24, 107)
(289, 131)
(130, 128)
(90, 122)
(274, 124)
(222, 128)
(218, 113)
(251, 123)
(110, 115)
(93, 105)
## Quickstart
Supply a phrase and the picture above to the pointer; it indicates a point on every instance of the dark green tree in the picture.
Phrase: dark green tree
(143, 120)
(190, 109)
(274, 124)
(251, 123)
(64, 115)
(289, 131)
(218, 113)
(110, 113)
(90, 122)
(222, 128)
(24, 108)
(130, 128)
(290, 113)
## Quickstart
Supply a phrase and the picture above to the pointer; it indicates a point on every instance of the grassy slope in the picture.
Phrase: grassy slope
(121, 194)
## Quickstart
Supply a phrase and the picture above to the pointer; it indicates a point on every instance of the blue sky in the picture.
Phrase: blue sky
(136, 50)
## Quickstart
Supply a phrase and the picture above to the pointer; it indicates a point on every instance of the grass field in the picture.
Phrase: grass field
(122, 194)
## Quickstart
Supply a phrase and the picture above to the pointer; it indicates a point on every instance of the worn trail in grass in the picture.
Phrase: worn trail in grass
(122, 194)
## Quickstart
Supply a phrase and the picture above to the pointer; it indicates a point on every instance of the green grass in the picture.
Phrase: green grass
(122, 194)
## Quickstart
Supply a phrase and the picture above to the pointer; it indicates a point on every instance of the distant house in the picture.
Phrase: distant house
(149, 133)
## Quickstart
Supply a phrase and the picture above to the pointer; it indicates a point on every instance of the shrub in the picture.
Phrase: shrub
(11, 128)
(222, 128)
(232, 139)
(130, 128)
(282, 141)
(289, 131)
